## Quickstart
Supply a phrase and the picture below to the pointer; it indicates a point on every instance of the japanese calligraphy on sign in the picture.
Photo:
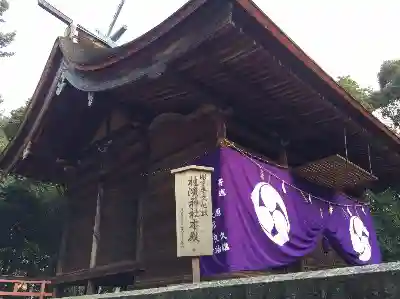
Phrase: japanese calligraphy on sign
(194, 224)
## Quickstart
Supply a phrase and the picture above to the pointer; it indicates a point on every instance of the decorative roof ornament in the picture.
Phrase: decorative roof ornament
(72, 33)
(104, 147)
(27, 150)
(61, 80)
(156, 70)
(90, 98)
(72, 30)
(61, 83)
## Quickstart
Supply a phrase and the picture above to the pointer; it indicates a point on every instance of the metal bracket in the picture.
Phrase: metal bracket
(72, 32)
(103, 148)
(61, 83)
(27, 150)
(156, 70)
(90, 98)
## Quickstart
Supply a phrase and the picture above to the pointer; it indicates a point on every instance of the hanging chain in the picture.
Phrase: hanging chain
(345, 145)
(369, 159)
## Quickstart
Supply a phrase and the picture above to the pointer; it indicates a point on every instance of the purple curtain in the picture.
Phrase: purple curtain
(350, 231)
(265, 218)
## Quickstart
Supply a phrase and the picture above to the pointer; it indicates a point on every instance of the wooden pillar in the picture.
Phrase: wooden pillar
(196, 269)
(283, 160)
(141, 202)
(63, 243)
(139, 234)
(42, 290)
(219, 117)
(221, 126)
(90, 289)
(63, 250)
(57, 290)
(96, 227)
(96, 236)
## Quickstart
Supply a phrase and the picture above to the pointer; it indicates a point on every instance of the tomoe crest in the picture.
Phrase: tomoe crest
(359, 236)
(271, 213)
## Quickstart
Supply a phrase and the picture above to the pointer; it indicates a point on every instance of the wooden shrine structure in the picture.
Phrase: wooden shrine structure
(110, 123)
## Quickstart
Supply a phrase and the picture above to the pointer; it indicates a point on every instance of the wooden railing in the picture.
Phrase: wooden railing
(24, 288)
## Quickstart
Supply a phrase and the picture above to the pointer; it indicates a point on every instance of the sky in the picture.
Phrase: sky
(344, 37)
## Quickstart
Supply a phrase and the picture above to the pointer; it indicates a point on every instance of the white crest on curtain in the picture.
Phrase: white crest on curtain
(359, 236)
(271, 213)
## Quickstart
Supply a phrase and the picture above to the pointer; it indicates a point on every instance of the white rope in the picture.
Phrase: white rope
(250, 157)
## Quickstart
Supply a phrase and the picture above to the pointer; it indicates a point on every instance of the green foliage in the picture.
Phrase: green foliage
(3, 139)
(14, 121)
(31, 222)
(31, 216)
(386, 98)
(388, 95)
(5, 38)
(30, 212)
(385, 208)
(363, 95)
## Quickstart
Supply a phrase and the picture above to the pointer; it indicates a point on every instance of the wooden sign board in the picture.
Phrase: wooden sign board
(193, 210)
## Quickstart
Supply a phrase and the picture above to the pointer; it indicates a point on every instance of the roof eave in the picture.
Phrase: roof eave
(251, 8)
(36, 110)
(15, 147)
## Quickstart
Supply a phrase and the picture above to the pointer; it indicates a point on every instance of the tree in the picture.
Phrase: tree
(31, 222)
(388, 95)
(31, 216)
(362, 95)
(5, 38)
(12, 123)
(30, 212)
(385, 208)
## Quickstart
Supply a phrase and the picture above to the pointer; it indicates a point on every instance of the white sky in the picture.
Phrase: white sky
(342, 36)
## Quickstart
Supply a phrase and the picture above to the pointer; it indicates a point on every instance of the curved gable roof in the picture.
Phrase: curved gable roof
(88, 65)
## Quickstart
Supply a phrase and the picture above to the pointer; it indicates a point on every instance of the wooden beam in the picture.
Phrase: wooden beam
(63, 250)
(96, 237)
(119, 138)
(126, 163)
(224, 100)
(96, 227)
(196, 269)
(57, 291)
(283, 125)
(136, 112)
(139, 231)
(97, 113)
(256, 139)
(241, 85)
(90, 289)
(141, 203)
(283, 158)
